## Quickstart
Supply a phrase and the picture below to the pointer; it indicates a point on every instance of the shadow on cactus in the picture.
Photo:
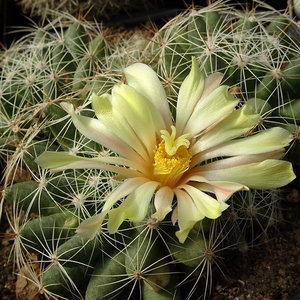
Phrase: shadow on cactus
(91, 8)
(154, 178)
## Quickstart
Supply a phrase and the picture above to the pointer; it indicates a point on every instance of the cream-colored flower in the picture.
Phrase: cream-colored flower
(190, 164)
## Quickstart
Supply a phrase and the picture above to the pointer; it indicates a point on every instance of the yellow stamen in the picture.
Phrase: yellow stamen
(171, 158)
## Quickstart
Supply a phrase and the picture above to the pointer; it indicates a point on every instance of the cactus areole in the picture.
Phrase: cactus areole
(188, 164)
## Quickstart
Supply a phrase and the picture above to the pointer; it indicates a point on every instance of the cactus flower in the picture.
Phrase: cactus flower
(188, 164)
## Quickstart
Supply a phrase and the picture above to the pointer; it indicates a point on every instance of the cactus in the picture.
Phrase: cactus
(51, 64)
(66, 61)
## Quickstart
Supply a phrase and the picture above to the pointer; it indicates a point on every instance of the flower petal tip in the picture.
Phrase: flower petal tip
(92, 226)
(68, 107)
(182, 235)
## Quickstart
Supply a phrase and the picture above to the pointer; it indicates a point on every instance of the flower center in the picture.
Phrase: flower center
(171, 157)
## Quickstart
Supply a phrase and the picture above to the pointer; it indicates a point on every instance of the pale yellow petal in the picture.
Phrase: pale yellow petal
(222, 189)
(269, 140)
(92, 226)
(208, 206)
(100, 133)
(59, 161)
(142, 78)
(189, 95)
(267, 174)
(144, 119)
(235, 161)
(123, 190)
(163, 203)
(235, 125)
(211, 83)
(187, 213)
(211, 110)
(134, 207)
(117, 123)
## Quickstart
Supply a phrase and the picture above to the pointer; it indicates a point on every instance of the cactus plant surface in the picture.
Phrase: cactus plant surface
(66, 106)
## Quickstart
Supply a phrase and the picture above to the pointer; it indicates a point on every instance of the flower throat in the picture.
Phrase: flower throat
(171, 157)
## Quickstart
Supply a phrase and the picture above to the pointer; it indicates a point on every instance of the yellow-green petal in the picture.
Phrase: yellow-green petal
(117, 123)
(98, 132)
(208, 206)
(134, 207)
(235, 125)
(163, 203)
(189, 95)
(267, 174)
(211, 110)
(188, 214)
(144, 80)
(59, 161)
(124, 189)
(90, 227)
(269, 140)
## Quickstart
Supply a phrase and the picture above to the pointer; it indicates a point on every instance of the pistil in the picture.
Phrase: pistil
(171, 158)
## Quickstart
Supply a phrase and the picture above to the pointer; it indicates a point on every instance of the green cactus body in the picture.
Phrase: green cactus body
(61, 129)
(291, 111)
(84, 71)
(267, 88)
(61, 280)
(107, 279)
(60, 187)
(260, 106)
(196, 31)
(160, 277)
(169, 292)
(247, 23)
(290, 78)
(29, 197)
(212, 20)
(79, 251)
(46, 232)
(141, 254)
(192, 252)
(97, 49)
(279, 24)
(76, 38)
(62, 60)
